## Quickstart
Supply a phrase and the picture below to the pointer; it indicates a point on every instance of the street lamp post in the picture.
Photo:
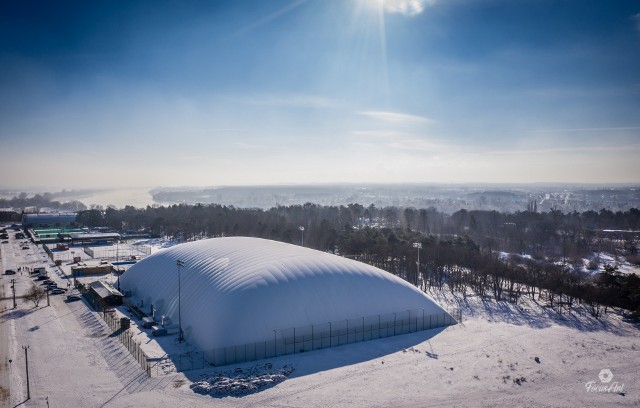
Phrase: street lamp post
(180, 264)
(417, 245)
(301, 228)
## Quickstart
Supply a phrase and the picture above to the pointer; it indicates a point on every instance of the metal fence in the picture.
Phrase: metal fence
(287, 341)
(314, 337)
(126, 338)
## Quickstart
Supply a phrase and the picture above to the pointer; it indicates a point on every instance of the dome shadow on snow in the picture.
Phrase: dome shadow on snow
(241, 380)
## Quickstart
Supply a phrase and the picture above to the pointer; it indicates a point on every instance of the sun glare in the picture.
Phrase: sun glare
(405, 7)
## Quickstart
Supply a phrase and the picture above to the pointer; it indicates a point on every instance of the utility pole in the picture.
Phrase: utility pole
(301, 228)
(26, 362)
(180, 336)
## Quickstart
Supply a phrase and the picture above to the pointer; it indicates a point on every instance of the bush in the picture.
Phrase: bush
(634, 259)
(593, 265)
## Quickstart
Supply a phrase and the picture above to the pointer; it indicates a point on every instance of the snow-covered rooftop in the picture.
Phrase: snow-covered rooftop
(239, 290)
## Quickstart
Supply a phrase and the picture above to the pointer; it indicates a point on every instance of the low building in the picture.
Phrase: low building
(102, 296)
(49, 220)
(100, 238)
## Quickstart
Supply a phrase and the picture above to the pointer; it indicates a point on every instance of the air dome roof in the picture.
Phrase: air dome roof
(239, 290)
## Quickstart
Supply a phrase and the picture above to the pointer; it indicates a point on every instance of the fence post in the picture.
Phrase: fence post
(394, 323)
(347, 331)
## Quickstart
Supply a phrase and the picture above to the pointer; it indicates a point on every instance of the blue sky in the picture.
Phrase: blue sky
(168, 93)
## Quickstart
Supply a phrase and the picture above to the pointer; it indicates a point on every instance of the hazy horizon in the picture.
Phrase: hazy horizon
(447, 198)
(307, 92)
(35, 189)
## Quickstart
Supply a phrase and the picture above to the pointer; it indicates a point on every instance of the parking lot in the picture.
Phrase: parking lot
(66, 340)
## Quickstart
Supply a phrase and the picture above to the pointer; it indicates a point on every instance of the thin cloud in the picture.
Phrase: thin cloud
(191, 157)
(375, 133)
(248, 146)
(594, 129)
(589, 149)
(636, 19)
(415, 145)
(294, 101)
(396, 117)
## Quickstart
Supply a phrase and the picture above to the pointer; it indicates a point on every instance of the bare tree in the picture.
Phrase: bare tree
(35, 294)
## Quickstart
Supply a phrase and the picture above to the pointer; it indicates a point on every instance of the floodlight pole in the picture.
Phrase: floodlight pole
(180, 336)
(417, 245)
(301, 228)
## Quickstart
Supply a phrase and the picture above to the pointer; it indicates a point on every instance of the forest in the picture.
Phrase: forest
(489, 253)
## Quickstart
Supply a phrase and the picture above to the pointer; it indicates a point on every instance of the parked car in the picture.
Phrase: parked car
(41, 277)
(73, 297)
(9, 272)
(57, 291)
(5, 242)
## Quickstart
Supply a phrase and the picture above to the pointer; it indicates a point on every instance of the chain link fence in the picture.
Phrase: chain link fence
(126, 338)
(286, 341)
(314, 337)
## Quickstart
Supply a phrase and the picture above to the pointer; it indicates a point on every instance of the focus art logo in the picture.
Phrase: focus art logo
(605, 375)
(605, 385)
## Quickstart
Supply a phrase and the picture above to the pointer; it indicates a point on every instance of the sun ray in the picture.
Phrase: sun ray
(284, 10)
(383, 50)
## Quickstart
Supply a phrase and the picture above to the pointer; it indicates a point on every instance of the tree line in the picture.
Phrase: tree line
(503, 255)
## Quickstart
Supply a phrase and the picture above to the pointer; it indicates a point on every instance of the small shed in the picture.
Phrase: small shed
(102, 295)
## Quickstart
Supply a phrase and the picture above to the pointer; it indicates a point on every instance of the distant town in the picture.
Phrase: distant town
(444, 198)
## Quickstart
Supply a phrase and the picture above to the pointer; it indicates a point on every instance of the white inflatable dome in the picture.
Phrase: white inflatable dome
(239, 290)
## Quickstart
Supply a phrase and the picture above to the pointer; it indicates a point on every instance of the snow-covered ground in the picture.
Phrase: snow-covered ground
(603, 259)
(600, 258)
(500, 355)
(153, 245)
